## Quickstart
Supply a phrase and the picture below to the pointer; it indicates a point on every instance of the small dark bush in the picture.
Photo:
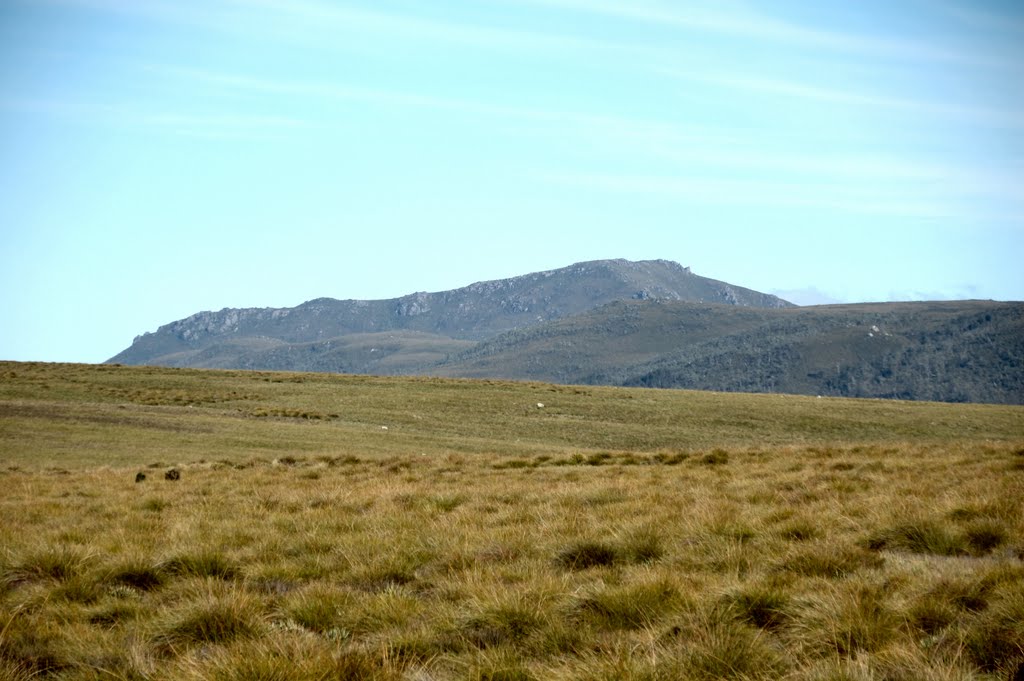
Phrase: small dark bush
(918, 536)
(799, 529)
(207, 564)
(515, 464)
(172, 474)
(996, 640)
(216, 622)
(111, 615)
(931, 615)
(715, 458)
(629, 607)
(347, 460)
(643, 546)
(58, 564)
(984, 535)
(763, 606)
(721, 648)
(673, 459)
(138, 576)
(587, 554)
(501, 625)
(384, 577)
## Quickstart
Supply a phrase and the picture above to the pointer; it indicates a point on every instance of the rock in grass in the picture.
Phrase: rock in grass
(140, 476)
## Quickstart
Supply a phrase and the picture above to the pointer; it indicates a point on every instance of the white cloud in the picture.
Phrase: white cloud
(809, 295)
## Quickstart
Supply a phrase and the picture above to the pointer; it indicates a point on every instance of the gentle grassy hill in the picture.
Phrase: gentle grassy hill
(72, 415)
(352, 527)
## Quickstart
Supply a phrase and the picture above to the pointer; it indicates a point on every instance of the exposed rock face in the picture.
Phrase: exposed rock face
(471, 313)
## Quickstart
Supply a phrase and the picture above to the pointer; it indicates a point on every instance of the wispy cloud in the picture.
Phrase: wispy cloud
(125, 116)
(744, 22)
(325, 91)
(224, 126)
(850, 199)
(332, 16)
(683, 145)
(797, 89)
(310, 20)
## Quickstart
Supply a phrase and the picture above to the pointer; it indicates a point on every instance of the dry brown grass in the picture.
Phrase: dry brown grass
(422, 553)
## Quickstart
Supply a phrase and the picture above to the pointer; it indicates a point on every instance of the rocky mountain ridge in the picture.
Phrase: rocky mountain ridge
(473, 312)
(615, 322)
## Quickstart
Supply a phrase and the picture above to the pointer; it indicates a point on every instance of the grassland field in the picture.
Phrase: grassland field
(354, 527)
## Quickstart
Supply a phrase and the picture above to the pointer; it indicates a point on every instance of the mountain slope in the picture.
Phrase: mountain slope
(961, 351)
(267, 337)
(615, 322)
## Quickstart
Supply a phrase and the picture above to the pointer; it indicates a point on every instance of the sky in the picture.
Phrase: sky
(163, 157)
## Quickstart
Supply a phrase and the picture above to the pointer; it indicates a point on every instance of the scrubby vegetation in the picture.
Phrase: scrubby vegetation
(611, 534)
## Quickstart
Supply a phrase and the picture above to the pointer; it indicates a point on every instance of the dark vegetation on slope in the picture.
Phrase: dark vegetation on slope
(615, 322)
(961, 351)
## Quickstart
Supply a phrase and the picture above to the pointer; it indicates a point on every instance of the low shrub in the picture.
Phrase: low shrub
(499, 625)
(799, 529)
(587, 554)
(846, 620)
(58, 563)
(212, 620)
(630, 607)
(918, 536)
(764, 606)
(830, 562)
(138, 575)
(716, 457)
(642, 546)
(318, 609)
(202, 564)
(995, 640)
(984, 535)
(717, 646)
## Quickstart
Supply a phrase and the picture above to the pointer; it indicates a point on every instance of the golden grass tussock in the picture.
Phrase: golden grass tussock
(616, 534)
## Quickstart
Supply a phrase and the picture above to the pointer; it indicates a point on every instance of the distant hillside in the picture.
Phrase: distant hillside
(616, 322)
(962, 351)
(405, 334)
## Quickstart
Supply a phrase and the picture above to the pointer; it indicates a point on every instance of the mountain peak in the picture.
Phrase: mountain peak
(235, 338)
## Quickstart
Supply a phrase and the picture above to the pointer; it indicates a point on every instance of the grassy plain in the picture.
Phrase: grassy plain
(350, 527)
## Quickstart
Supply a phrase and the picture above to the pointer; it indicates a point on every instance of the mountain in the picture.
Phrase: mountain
(956, 351)
(400, 334)
(616, 322)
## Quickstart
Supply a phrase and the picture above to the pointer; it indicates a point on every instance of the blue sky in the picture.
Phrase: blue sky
(162, 157)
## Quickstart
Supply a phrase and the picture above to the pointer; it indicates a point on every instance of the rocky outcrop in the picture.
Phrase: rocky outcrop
(238, 338)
